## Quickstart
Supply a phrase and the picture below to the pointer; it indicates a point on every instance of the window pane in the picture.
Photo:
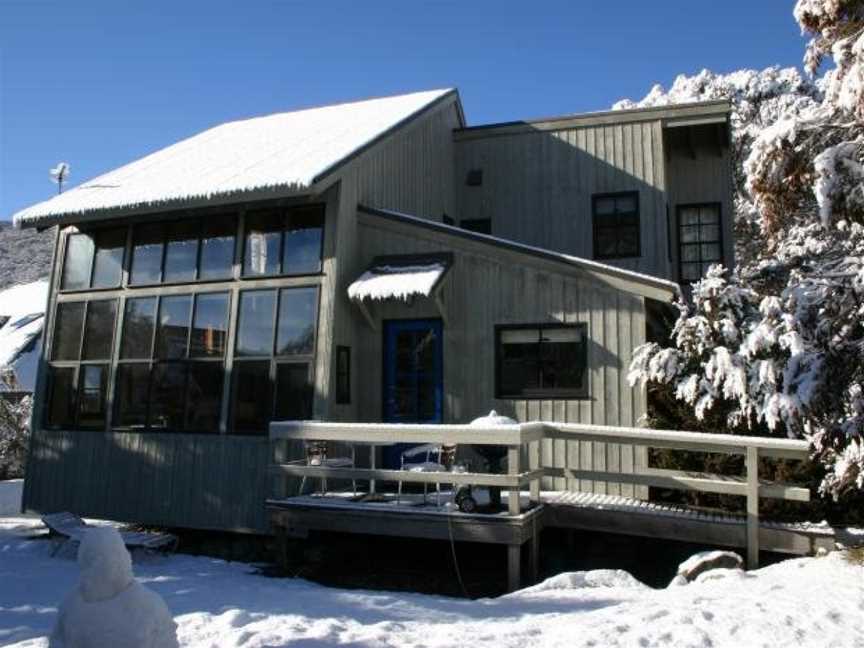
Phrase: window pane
(92, 384)
(61, 407)
(690, 271)
(710, 251)
(76, 267)
(709, 215)
(520, 336)
(689, 234)
(138, 328)
(108, 264)
(298, 308)
(166, 395)
(625, 204)
(67, 330)
(130, 395)
(604, 206)
(204, 397)
(217, 247)
(181, 250)
(252, 397)
(147, 254)
(209, 326)
(293, 392)
(99, 329)
(690, 216)
(173, 326)
(303, 236)
(263, 241)
(710, 233)
(255, 327)
(561, 366)
(690, 253)
(628, 242)
(519, 361)
(607, 243)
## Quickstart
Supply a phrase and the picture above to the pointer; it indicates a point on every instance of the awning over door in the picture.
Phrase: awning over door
(401, 277)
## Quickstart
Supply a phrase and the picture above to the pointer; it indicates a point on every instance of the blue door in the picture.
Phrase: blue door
(413, 376)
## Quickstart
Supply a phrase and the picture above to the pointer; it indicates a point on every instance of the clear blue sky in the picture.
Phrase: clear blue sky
(100, 83)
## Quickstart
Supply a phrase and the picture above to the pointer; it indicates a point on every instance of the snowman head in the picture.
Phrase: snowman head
(106, 566)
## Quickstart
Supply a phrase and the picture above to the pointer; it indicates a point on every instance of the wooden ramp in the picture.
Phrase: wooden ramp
(611, 514)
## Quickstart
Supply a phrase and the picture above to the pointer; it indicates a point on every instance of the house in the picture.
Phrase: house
(370, 261)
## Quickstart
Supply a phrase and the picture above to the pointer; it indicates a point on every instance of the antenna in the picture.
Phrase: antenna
(59, 174)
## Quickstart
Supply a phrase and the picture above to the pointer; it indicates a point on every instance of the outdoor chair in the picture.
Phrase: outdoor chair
(71, 528)
(443, 455)
(317, 454)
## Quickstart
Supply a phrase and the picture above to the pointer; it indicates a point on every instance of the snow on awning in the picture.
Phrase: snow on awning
(400, 278)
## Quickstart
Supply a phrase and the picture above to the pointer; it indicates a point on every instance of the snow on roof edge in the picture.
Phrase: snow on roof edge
(589, 264)
(41, 213)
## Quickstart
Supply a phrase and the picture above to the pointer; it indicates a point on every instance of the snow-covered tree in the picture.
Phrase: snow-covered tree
(780, 343)
(14, 431)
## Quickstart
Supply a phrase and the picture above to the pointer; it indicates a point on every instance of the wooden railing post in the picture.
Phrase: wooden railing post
(513, 455)
(535, 463)
(752, 461)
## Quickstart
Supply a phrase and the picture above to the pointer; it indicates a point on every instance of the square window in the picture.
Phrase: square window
(616, 225)
(544, 361)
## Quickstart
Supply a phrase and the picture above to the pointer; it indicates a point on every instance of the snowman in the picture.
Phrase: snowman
(109, 607)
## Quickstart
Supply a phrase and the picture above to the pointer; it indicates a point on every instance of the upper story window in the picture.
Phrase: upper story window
(94, 259)
(184, 250)
(616, 225)
(283, 241)
(700, 241)
(541, 361)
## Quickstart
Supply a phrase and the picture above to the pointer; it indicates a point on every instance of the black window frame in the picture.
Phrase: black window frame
(679, 230)
(77, 366)
(541, 393)
(342, 375)
(153, 363)
(596, 225)
(274, 360)
(285, 211)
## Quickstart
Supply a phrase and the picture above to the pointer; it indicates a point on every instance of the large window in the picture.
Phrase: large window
(80, 362)
(171, 366)
(94, 259)
(700, 240)
(273, 357)
(616, 225)
(283, 241)
(183, 250)
(541, 361)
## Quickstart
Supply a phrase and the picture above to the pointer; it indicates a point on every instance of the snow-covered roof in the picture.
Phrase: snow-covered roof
(285, 152)
(396, 278)
(24, 306)
(24, 299)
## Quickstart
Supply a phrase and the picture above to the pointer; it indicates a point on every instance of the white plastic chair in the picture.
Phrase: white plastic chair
(427, 465)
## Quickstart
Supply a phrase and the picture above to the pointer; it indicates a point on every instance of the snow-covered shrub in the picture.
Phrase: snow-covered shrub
(779, 346)
(14, 433)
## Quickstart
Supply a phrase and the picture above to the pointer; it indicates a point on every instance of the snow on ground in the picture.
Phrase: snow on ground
(802, 602)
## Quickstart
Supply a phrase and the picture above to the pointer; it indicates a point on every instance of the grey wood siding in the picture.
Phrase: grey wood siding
(538, 183)
(704, 176)
(488, 286)
(184, 480)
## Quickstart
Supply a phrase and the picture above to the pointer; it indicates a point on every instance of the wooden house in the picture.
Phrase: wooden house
(370, 261)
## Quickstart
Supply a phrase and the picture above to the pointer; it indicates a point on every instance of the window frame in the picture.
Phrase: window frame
(580, 393)
(679, 208)
(595, 198)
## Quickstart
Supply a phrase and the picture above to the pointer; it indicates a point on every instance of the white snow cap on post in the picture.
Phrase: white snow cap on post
(493, 418)
(109, 607)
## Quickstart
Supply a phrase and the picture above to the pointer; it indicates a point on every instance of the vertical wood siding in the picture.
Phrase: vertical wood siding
(537, 186)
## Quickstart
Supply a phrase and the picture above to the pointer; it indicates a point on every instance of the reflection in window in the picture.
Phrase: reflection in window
(138, 326)
(172, 332)
(283, 241)
(296, 335)
(545, 361)
(304, 232)
(108, 262)
(76, 266)
(181, 250)
(93, 384)
(209, 325)
(255, 323)
(217, 247)
(99, 329)
(67, 330)
(616, 225)
(147, 254)
(167, 392)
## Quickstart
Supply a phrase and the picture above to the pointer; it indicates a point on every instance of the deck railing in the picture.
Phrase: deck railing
(525, 440)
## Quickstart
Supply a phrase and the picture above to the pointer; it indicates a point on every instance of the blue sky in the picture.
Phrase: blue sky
(99, 83)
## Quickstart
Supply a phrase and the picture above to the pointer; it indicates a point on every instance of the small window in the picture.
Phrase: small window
(343, 375)
(479, 225)
(474, 178)
(700, 241)
(283, 241)
(616, 225)
(543, 361)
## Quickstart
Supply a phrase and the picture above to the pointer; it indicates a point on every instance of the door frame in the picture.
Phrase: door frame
(395, 324)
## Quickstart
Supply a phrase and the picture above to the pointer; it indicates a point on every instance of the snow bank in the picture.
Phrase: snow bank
(285, 151)
(805, 602)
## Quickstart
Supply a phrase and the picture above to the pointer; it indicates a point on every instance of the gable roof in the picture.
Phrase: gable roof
(627, 280)
(285, 152)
